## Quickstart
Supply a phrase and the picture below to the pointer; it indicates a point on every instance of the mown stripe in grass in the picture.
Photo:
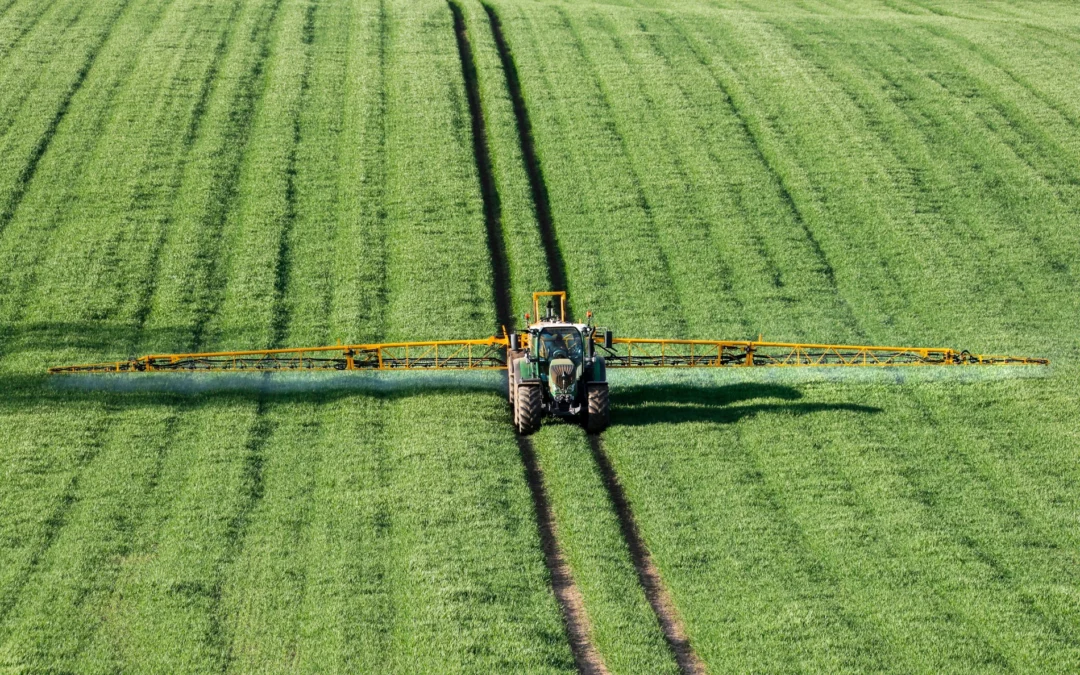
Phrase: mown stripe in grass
(30, 168)
(191, 135)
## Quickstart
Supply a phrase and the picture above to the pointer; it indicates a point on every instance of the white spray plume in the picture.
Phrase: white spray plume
(194, 384)
(896, 375)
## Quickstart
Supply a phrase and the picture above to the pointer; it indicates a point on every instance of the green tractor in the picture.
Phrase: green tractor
(554, 370)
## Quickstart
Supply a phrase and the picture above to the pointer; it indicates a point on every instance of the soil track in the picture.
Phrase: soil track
(500, 269)
(648, 574)
(586, 656)
(571, 603)
(555, 264)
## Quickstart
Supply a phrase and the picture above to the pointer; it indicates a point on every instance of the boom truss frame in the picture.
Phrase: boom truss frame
(660, 353)
(487, 354)
(490, 354)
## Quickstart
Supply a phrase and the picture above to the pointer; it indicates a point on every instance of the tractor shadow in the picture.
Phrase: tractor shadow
(723, 404)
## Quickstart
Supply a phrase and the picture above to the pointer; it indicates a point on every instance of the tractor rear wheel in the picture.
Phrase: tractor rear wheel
(596, 420)
(527, 409)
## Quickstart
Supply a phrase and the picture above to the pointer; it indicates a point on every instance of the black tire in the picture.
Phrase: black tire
(528, 412)
(597, 419)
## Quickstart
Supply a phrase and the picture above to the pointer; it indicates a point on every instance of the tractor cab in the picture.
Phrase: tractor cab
(553, 364)
(559, 352)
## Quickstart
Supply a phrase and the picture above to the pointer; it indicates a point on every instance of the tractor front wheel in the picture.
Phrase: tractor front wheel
(528, 409)
(597, 418)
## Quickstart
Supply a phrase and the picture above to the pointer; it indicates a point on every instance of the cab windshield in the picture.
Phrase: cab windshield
(560, 343)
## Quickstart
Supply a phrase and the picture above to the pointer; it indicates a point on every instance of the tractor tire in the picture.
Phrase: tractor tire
(528, 412)
(596, 420)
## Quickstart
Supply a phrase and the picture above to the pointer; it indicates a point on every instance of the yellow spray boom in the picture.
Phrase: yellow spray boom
(554, 366)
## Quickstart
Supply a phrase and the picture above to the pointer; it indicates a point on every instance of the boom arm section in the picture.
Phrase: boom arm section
(490, 354)
(651, 353)
(487, 354)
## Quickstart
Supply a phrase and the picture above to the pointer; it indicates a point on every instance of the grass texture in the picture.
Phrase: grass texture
(184, 174)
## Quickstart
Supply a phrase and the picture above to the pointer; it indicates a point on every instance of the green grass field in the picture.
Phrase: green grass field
(192, 175)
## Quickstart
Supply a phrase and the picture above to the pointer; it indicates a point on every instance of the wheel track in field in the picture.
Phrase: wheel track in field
(489, 193)
(262, 428)
(586, 656)
(648, 574)
(555, 264)
(191, 135)
(571, 602)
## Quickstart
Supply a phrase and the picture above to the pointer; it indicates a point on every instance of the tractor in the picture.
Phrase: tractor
(553, 369)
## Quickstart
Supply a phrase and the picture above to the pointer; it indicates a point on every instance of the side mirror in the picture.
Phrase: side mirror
(515, 342)
(607, 339)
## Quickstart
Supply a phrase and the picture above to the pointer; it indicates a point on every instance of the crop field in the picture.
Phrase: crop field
(194, 175)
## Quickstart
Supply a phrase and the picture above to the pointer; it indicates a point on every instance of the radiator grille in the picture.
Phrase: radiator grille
(562, 374)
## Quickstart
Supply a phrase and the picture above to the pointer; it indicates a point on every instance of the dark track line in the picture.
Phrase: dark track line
(586, 657)
(254, 464)
(190, 137)
(42, 146)
(280, 320)
(648, 574)
(241, 119)
(555, 263)
(488, 192)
